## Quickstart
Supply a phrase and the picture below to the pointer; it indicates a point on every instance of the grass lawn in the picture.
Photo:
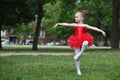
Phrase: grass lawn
(94, 66)
(51, 48)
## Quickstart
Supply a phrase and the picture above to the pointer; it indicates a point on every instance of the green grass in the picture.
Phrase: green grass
(40, 48)
(94, 66)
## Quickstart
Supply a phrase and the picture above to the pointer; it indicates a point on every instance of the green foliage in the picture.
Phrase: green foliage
(93, 67)
(23, 29)
(51, 15)
(116, 2)
(57, 12)
(16, 14)
(99, 15)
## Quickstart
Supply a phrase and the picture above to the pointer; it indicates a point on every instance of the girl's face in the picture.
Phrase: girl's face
(78, 17)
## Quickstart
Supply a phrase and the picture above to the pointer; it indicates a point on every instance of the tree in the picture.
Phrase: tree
(54, 13)
(39, 19)
(50, 18)
(0, 37)
(38, 24)
(14, 12)
(67, 9)
(115, 24)
(2, 17)
(23, 29)
(99, 15)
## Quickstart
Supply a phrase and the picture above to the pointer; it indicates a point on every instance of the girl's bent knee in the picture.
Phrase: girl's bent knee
(85, 43)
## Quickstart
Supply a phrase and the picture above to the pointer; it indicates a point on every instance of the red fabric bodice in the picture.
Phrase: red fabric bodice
(79, 30)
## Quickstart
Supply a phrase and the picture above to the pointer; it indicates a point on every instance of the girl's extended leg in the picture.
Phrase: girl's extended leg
(84, 46)
(77, 63)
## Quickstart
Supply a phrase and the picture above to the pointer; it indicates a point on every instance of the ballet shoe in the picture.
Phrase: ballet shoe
(79, 73)
(76, 58)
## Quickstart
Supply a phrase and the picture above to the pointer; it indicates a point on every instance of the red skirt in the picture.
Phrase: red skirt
(76, 41)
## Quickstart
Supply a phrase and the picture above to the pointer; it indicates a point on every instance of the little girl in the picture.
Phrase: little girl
(81, 39)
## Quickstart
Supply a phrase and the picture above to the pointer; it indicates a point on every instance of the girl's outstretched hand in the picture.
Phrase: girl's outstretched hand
(104, 34)
(55, 25)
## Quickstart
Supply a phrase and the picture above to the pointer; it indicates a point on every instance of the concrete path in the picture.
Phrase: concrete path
(34, 53)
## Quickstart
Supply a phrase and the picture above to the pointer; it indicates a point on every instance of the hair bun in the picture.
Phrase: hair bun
(84, 12)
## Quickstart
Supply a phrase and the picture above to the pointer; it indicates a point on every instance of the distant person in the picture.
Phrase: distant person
(81, 39)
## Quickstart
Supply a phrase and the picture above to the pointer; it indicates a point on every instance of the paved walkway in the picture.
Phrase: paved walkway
(9, 53)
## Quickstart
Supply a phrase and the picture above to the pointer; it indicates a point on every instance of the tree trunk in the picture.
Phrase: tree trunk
(38, 24)
(107, 38)
(114, 29)
(0, 37)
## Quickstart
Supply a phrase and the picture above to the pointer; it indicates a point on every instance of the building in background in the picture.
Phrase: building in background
(14, 39)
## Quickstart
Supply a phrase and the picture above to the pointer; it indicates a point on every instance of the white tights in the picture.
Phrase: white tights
(78, 54)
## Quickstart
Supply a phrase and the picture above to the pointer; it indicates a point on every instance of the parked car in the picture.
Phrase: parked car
(4, 41)
(56, 44)
(30, 42)
(50, 44)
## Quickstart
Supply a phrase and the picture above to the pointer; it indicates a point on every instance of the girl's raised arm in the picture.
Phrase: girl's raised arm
(96, 29)
(65, 24)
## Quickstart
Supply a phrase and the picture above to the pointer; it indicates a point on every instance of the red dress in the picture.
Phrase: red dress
(80, 35)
